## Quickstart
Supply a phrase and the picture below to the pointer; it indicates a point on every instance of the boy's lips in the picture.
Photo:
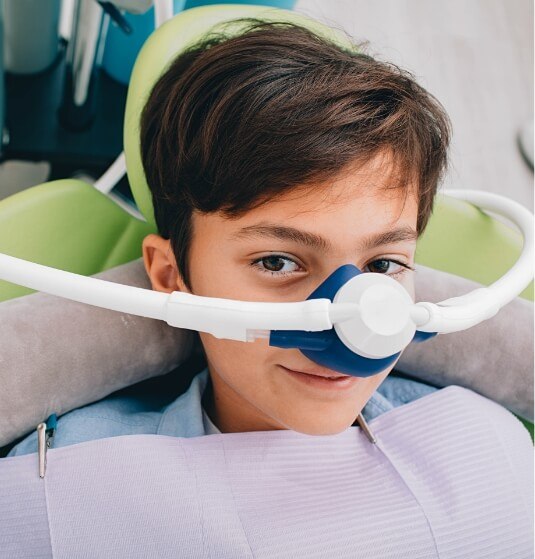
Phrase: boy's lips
(326, 373)
(323, 380)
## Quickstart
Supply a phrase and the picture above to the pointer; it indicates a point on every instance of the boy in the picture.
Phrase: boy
(273, 158)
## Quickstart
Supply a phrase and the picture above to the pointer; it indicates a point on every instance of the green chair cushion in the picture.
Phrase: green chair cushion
(70, 225)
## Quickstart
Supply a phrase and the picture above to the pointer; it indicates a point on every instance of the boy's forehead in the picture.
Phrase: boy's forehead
(360, 202)
(359, 193)
(320, 223)
(374, 185)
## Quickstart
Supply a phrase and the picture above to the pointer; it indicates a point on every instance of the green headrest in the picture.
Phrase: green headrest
(163, 46)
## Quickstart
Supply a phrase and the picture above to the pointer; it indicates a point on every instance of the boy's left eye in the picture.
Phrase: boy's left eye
(384, 266)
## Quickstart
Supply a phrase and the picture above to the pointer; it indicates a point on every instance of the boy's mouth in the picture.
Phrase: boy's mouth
(322, 379)
(318, 373)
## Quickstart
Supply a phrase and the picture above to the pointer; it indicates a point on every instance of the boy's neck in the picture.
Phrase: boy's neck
(229, 412)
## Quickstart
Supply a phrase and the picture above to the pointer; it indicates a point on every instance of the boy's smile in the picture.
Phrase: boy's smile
(281, 251)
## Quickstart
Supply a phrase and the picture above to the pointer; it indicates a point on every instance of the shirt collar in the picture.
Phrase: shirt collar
(183, 417)
(209, 427)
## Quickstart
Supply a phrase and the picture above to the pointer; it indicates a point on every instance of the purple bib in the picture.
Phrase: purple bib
(451, 476)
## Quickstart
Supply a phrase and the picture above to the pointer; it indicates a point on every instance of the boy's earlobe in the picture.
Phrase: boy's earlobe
(160, 264)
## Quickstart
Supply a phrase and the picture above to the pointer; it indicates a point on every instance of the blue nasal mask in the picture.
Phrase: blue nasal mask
(354, 323)
(327, 347)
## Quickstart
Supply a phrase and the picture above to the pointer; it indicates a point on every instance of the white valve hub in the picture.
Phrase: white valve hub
(384, 325)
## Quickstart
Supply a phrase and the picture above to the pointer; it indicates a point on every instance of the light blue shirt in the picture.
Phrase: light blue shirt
(184, 416)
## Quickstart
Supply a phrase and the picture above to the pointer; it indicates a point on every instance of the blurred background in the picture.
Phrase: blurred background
(66, 66)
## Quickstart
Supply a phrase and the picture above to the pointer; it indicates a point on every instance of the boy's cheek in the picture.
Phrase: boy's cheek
(239, 363)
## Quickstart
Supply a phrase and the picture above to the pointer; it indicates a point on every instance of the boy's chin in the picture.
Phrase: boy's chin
(323, 427)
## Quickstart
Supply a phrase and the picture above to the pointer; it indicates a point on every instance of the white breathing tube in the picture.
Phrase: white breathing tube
(245, 320)
(460, 313)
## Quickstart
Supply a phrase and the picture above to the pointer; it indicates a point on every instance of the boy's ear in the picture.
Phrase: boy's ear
(160, 264)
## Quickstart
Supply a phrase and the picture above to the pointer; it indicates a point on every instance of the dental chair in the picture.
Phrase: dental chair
(70, 225)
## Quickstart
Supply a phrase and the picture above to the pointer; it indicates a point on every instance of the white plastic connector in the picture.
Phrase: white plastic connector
(384, 325)
(459, 313)
(231, 320)
(420, 315)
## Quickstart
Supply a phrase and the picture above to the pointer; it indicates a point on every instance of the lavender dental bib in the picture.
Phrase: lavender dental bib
(451, 476)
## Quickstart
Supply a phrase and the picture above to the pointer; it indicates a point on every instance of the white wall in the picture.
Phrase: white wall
(475, 56)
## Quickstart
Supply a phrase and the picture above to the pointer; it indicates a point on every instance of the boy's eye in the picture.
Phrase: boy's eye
(383, 265)
(274, 265)
(279, 265)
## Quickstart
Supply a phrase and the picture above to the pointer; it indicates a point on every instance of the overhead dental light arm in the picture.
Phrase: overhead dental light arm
(353, 322)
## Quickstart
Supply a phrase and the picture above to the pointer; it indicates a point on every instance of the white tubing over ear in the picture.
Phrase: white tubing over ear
(459, 313)
(223, 318)
(238, 320)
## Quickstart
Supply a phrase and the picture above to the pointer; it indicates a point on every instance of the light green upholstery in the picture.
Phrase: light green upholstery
(69, 225)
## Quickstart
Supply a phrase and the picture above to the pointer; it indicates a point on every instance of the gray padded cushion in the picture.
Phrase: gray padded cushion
(494, 358)
(57, 355)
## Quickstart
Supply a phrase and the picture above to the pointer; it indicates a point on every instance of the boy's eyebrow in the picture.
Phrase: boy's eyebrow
(312, 240)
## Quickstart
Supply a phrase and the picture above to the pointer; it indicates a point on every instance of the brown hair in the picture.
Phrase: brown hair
(234, 121)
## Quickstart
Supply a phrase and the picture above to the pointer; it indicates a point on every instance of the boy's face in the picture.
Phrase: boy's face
(259, 258)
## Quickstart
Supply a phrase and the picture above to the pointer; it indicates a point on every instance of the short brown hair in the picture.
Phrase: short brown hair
(234, 121)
